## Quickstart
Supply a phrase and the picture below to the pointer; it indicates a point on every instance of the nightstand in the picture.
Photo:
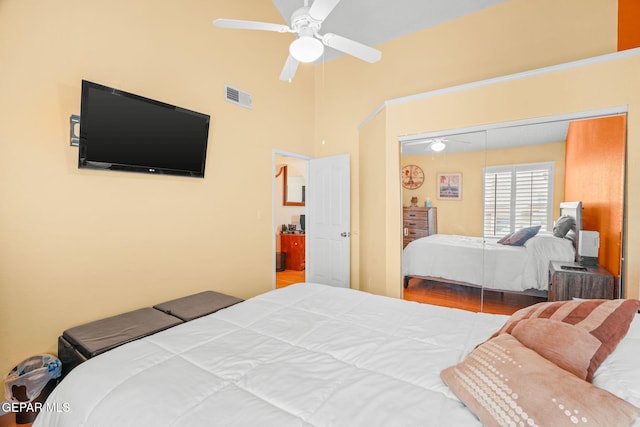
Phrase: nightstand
(568, 280)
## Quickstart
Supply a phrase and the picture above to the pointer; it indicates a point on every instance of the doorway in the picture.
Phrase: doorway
(327, 227)
(289, 213)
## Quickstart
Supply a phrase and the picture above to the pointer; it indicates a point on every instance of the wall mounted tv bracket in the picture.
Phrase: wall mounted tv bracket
(74, 128)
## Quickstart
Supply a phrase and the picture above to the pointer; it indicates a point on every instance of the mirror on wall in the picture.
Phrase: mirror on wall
(512, 177)
(294, 190)
(437, 215)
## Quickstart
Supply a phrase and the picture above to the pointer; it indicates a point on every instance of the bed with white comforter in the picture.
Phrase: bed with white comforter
(304, 355)
(486, 263)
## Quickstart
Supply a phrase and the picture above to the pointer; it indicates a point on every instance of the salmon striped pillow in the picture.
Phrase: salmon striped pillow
(575, 335)
(505, 383)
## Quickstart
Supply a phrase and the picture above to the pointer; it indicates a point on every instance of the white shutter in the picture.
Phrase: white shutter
(517, 196)
(497, 203)
(532, 198)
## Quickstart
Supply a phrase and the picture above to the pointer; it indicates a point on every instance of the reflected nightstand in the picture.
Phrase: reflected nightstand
(568, 280)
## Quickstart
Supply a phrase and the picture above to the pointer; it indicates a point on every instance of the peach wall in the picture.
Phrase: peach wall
(583, 88)
(514, 36)
(79, 245)
(371, 236)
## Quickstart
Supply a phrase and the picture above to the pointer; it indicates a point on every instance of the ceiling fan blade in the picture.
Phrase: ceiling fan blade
(428, 142)
(320, 9)
(458, 140)
(417, 142)
(351, 47)
(250, 25)
(289, 69)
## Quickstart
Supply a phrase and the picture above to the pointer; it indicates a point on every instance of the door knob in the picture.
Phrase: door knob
(345, 234)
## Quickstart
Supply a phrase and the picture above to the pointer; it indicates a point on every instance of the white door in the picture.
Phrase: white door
(329, 222)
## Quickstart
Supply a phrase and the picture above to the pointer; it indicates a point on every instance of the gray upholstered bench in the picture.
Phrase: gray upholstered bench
(197, 305)
(83, 342)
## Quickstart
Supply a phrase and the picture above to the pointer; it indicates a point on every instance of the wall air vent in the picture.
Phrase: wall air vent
(237, 96)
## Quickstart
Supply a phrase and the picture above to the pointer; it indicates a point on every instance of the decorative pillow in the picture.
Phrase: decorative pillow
(576, 335)
(519, 237)
(504, 383)
(562, 225)
(504, 238)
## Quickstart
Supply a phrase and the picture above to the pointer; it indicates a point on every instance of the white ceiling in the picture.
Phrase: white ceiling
(373, 22)
(505, 137)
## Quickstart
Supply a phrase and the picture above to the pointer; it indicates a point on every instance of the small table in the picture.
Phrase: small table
(568, 280)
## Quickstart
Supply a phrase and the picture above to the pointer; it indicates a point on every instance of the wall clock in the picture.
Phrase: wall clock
(412, 177)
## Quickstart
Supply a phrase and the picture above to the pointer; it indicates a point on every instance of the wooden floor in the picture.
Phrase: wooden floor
(9, 420)
(447, 295)
(466, 297)
(288, 277)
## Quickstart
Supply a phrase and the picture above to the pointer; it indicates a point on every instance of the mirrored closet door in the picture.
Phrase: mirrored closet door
(496, 195)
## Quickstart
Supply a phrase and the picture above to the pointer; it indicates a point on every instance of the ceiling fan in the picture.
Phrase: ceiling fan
(309, 46)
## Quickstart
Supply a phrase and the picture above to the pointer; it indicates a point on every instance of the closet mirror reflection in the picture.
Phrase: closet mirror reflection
(450, 197)
(514, 177)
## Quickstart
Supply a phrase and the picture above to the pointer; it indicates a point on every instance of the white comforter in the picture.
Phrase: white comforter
(484, 262)
(304, 355)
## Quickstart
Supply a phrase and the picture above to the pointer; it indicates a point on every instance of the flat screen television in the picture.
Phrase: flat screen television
(127, 132)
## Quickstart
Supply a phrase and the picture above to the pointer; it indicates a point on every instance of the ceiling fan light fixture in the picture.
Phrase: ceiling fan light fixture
(306, 49)
(437, 145)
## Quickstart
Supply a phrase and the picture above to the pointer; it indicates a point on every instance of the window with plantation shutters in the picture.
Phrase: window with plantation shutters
(517, 196)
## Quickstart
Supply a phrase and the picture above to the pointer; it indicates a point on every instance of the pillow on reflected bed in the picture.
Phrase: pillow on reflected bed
(563, 225)
(505, 238)
(520, 237)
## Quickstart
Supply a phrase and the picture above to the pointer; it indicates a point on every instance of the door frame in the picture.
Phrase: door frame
(274, 154)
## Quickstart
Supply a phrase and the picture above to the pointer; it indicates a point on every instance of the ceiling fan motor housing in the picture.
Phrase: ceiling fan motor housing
(303, 24)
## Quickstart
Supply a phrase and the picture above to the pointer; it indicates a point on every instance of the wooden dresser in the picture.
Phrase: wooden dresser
(417, 223)
(293, 246)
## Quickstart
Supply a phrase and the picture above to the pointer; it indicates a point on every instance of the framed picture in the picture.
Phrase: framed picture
(450, 186)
